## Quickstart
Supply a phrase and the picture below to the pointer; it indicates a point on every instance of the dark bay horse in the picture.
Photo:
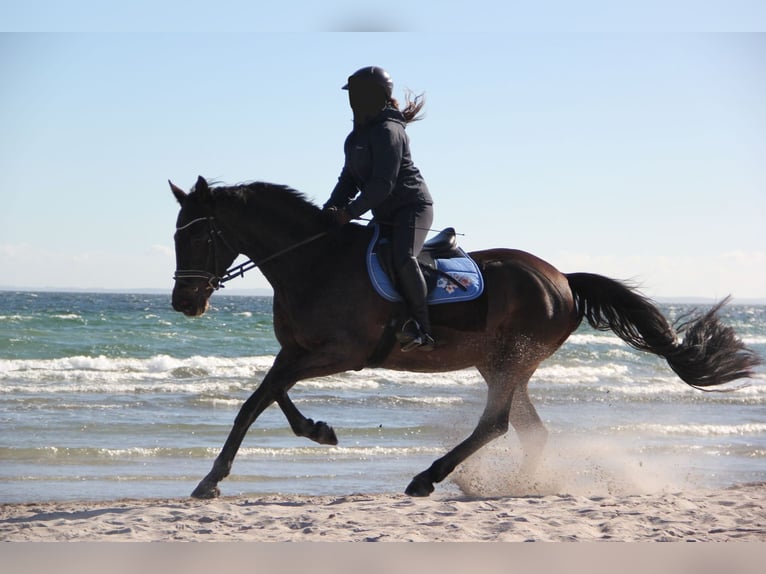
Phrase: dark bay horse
(328, 319)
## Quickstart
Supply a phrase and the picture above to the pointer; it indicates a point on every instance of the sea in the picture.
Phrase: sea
(106, 396)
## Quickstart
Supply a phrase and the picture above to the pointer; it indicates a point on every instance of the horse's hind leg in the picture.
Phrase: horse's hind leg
(492, 424)
(527, 424)
(318, 431)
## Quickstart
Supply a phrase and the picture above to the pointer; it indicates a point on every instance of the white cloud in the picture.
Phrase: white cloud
(164, 250)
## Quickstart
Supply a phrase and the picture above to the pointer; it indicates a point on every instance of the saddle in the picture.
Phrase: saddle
(450, 274)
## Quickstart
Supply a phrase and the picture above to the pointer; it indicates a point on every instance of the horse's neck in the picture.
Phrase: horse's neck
(287, 252)
(297, 262)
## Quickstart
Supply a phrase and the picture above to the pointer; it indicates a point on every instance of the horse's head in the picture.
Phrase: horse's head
(202, 253)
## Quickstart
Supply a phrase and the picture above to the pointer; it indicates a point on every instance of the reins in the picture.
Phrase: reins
(216, 281)
(239, 270)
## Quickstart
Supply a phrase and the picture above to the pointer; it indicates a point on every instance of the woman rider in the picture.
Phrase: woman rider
(378, 175)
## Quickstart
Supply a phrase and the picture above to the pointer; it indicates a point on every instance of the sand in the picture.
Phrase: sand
(733, 514)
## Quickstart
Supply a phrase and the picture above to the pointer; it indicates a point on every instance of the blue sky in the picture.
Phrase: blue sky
(636, 155)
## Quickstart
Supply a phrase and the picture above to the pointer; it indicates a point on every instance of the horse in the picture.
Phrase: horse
(328, 319)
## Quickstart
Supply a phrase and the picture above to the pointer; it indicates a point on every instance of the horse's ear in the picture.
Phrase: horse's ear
(178, 192)
(202, 190)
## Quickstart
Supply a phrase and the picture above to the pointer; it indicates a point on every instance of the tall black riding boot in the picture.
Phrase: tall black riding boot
(416, 332)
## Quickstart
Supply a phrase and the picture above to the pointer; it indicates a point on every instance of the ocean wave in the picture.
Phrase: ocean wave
(334, 452)
(67, 317)
(83, 374)
(339, 383)
(583, 373)
(154, 364)
(691, 429)
(160, 373)
(92, 454)
(15, 318)
(426, 400)
(746, 451)
(736, 391)
(594, 339)
(464, 377)
(211, 375)
(73, 454)
(198, 373)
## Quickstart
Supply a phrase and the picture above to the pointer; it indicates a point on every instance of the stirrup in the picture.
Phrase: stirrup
(427, 343)
(412, 337)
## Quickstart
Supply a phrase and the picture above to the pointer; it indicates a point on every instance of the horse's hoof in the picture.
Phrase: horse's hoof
(324, 434)
(205, 491)
(319, 432)
(419, 487)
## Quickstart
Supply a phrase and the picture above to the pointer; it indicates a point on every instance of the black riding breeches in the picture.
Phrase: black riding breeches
(409, 228)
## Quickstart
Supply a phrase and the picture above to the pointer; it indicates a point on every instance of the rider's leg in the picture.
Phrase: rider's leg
(410, 228)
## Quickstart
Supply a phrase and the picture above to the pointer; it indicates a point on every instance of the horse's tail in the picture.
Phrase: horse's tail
(710, 353)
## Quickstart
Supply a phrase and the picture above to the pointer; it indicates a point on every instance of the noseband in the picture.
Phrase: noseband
(216, 281)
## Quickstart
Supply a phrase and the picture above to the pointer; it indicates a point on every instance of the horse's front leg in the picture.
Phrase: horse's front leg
(280, 377)
(263, 396)
(289, 367)
(318, 431)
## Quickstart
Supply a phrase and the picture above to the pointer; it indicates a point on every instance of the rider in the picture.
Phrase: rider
(378, 168)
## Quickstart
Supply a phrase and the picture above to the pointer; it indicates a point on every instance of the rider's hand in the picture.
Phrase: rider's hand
(338, 216)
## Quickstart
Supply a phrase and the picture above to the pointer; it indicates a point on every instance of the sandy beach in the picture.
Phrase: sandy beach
(733, 514)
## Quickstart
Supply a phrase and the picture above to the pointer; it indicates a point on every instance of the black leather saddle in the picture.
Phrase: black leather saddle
(442, 246)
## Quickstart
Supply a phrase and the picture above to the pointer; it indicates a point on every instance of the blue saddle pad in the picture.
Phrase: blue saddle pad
(463, 269)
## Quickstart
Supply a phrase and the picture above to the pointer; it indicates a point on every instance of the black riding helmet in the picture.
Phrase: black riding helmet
(376, 75)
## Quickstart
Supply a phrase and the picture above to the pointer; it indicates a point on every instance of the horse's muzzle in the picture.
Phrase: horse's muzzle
(191, 301)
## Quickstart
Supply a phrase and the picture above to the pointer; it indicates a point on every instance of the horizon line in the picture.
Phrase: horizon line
(266, 292)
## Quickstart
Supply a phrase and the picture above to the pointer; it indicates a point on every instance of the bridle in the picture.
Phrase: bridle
(215, 237)
(216, 281)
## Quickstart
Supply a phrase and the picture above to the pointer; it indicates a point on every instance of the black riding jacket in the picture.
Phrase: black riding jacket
(379, 168)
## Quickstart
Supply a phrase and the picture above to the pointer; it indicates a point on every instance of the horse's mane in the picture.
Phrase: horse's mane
(294, 201)
(285, 205)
